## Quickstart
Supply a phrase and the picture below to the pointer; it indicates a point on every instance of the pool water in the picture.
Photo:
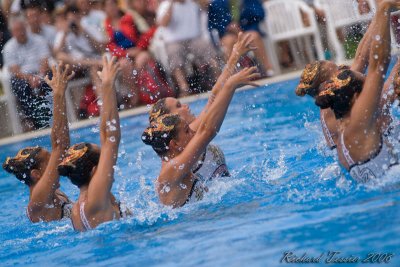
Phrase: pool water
(286, 194)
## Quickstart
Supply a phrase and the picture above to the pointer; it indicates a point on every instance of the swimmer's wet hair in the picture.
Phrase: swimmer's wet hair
(157, 110)
(78, 163)
(23, 163)
(312, 76)
(160, 132)
(338, 92)
(308, 77)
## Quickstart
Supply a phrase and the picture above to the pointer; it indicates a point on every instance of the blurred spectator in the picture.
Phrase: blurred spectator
(6, 7)
(17, 6)
(130, 46)
(229, 17)
(181, 31)
(72, 44)
(143, 16)
(26, 56)
(4, 35)
(92, 22)
(48, 32)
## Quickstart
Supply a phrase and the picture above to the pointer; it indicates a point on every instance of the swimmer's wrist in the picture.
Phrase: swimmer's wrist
(231, 66)
(230, 84)
(58, 93)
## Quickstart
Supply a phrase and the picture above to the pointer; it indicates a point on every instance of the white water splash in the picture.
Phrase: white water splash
(272, 173)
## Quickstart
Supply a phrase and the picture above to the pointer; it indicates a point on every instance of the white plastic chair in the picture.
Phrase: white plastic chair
(9, 99)
(339, 14)
(284, 22)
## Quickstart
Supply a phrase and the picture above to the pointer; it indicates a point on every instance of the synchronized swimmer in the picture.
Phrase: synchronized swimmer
(355, 119)
(355, 108)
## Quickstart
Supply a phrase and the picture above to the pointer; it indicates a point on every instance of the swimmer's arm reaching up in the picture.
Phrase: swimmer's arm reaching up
(361, 58)
(241, 47)
(43, 192)
(365, 111)
(98, 198)
(181, 166)
(389, 95)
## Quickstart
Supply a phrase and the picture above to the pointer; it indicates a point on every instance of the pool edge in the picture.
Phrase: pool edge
(141, 110)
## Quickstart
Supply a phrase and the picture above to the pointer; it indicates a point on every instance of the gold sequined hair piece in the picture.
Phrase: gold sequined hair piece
(308, 77)
(159, 125)
(27, 155)
(154, 115)
(332, 86)
(74, 153)
(23, 163)
(339, 83)
(158, 109)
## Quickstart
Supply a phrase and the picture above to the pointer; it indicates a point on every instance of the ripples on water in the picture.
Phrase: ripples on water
(286, 193)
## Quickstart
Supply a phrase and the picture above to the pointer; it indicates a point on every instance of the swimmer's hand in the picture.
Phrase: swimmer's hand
(243, 44)
(110, 71)
(62, 74)
(244, 77)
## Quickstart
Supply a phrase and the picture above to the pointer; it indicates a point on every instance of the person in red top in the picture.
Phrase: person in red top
(126, 43)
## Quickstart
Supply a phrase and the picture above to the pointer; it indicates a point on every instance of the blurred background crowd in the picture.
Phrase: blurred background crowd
(166, 48)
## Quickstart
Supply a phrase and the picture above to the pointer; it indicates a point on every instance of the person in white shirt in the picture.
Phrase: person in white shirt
(26, 57)
(181, 31)
(48, 32)
(92, 22)
(74, 46)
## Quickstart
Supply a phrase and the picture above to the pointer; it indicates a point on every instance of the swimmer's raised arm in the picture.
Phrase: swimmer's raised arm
(366, 109)
(361, 58)
(241, 47)
(43, 192)
(180, 167)
(110, 135)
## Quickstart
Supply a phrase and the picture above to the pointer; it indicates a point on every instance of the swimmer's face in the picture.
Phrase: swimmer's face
(176, 107)
(184, 135)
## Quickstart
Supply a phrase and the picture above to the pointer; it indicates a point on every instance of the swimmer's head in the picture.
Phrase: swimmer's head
(340, 92)
(314, 74)
(28, 165)
(168, 133)
(79, 163)
(173, 106)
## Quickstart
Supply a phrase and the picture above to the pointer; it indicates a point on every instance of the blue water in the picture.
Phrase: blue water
(286, 194)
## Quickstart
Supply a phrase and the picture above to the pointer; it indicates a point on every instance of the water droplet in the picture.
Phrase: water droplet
(112, 139)
(183, 186)
(377, 37)
(165, 189)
